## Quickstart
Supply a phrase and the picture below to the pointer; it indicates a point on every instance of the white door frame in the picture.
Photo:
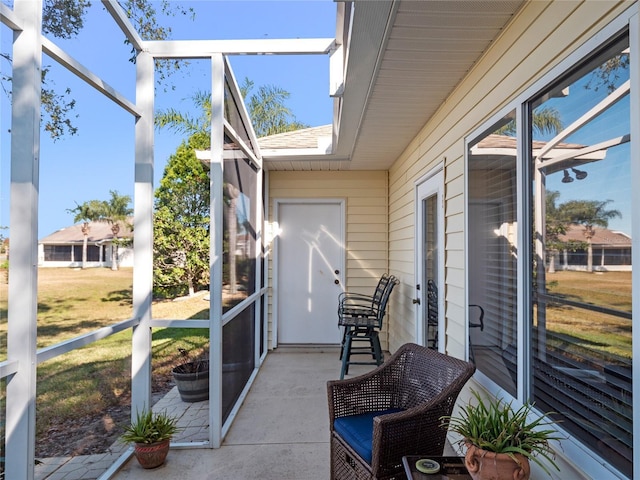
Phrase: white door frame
(428, 185)
(275, 262)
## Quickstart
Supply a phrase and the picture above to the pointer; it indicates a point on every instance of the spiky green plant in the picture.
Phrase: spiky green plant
(149, 427)
(494, 425)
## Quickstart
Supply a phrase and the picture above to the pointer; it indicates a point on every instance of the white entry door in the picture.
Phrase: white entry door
(309, 271)
(429, 298)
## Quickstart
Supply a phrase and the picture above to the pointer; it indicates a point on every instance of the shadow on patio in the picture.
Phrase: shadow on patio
(281, 430)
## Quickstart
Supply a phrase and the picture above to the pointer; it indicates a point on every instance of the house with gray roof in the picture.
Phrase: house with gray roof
(63, 248)
(611, 249)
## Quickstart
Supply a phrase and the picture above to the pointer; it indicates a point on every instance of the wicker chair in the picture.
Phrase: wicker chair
(392, 411)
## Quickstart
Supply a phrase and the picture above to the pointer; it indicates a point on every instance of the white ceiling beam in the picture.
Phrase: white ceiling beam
(338, 55)
(85, 74)
(205, 48)
(581, 153)
(120, 17)
(606, 102)
(336, 72)
(9, 18)
(301, 157)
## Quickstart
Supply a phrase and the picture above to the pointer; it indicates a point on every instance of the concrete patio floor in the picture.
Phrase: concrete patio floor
(281, 431)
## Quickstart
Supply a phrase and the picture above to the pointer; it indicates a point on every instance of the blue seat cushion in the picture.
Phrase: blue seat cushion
(357, 431)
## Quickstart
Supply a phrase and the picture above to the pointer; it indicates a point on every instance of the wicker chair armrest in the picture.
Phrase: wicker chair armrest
(370, 392)
(416, 431)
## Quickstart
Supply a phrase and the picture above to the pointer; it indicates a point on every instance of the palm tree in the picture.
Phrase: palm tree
(544, 121)
(589, 213)
(116, 211)
(267, 109)
(269, 116)
(555, 226)
(181, 122)
(86, 212)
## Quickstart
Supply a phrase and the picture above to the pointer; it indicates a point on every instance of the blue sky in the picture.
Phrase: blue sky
(100, 158)
(608, 179)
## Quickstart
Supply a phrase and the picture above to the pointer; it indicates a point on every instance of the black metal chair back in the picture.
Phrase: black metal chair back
(432, 314)
(382, 305)
(346, 299)
(356, 310)
(361, 323)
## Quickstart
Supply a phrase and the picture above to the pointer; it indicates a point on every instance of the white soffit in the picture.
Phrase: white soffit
(427, 50)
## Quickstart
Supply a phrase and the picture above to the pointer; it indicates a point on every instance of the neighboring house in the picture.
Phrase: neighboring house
(422, 92)
(611, 250)
(63, 248)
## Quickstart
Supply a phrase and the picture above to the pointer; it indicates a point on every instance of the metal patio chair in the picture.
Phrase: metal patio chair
(362, 323)
(479, 324)
(361, 302)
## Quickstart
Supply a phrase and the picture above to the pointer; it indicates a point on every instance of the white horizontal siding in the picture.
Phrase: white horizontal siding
(538, 38)
(366, 198)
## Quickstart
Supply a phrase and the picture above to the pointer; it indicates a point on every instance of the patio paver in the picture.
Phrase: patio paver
(281, 431)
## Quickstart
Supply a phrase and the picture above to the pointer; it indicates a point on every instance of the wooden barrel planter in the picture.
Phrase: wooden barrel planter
(192, 380)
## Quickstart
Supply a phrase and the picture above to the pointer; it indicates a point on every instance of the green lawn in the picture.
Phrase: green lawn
(90, 388)
(599, 332)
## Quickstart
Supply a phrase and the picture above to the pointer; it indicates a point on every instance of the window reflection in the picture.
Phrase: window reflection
(232, 106)
(581, 330)
(492, 253)
(239, 225)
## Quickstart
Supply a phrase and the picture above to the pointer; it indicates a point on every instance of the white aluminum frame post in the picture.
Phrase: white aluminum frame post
(23, 269)
(143, 237)
(215, 250)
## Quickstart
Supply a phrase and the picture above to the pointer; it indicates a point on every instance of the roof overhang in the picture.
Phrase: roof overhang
(402, 59)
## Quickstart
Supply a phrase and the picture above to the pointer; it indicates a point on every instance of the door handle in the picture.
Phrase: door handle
(416, 301)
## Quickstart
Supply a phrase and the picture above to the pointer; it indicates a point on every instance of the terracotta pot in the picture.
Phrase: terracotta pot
(484, 465)
(152, 455)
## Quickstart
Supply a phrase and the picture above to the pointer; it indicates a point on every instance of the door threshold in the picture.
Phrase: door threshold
(307, 348)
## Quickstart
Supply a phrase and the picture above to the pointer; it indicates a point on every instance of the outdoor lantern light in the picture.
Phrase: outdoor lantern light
(580, 174)
(567, 178)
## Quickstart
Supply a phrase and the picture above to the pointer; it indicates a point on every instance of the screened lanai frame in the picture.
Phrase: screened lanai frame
(22, 356)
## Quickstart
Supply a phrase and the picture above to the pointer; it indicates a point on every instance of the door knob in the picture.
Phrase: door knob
(416, 301)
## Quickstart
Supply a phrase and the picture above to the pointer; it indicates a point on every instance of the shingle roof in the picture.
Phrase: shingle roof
(495, 140)
(98, 232)
(296, 139)
(602, 236)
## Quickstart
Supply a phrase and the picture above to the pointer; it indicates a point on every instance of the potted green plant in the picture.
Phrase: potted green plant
(150, 433)
(501, 440)
(192, 378)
